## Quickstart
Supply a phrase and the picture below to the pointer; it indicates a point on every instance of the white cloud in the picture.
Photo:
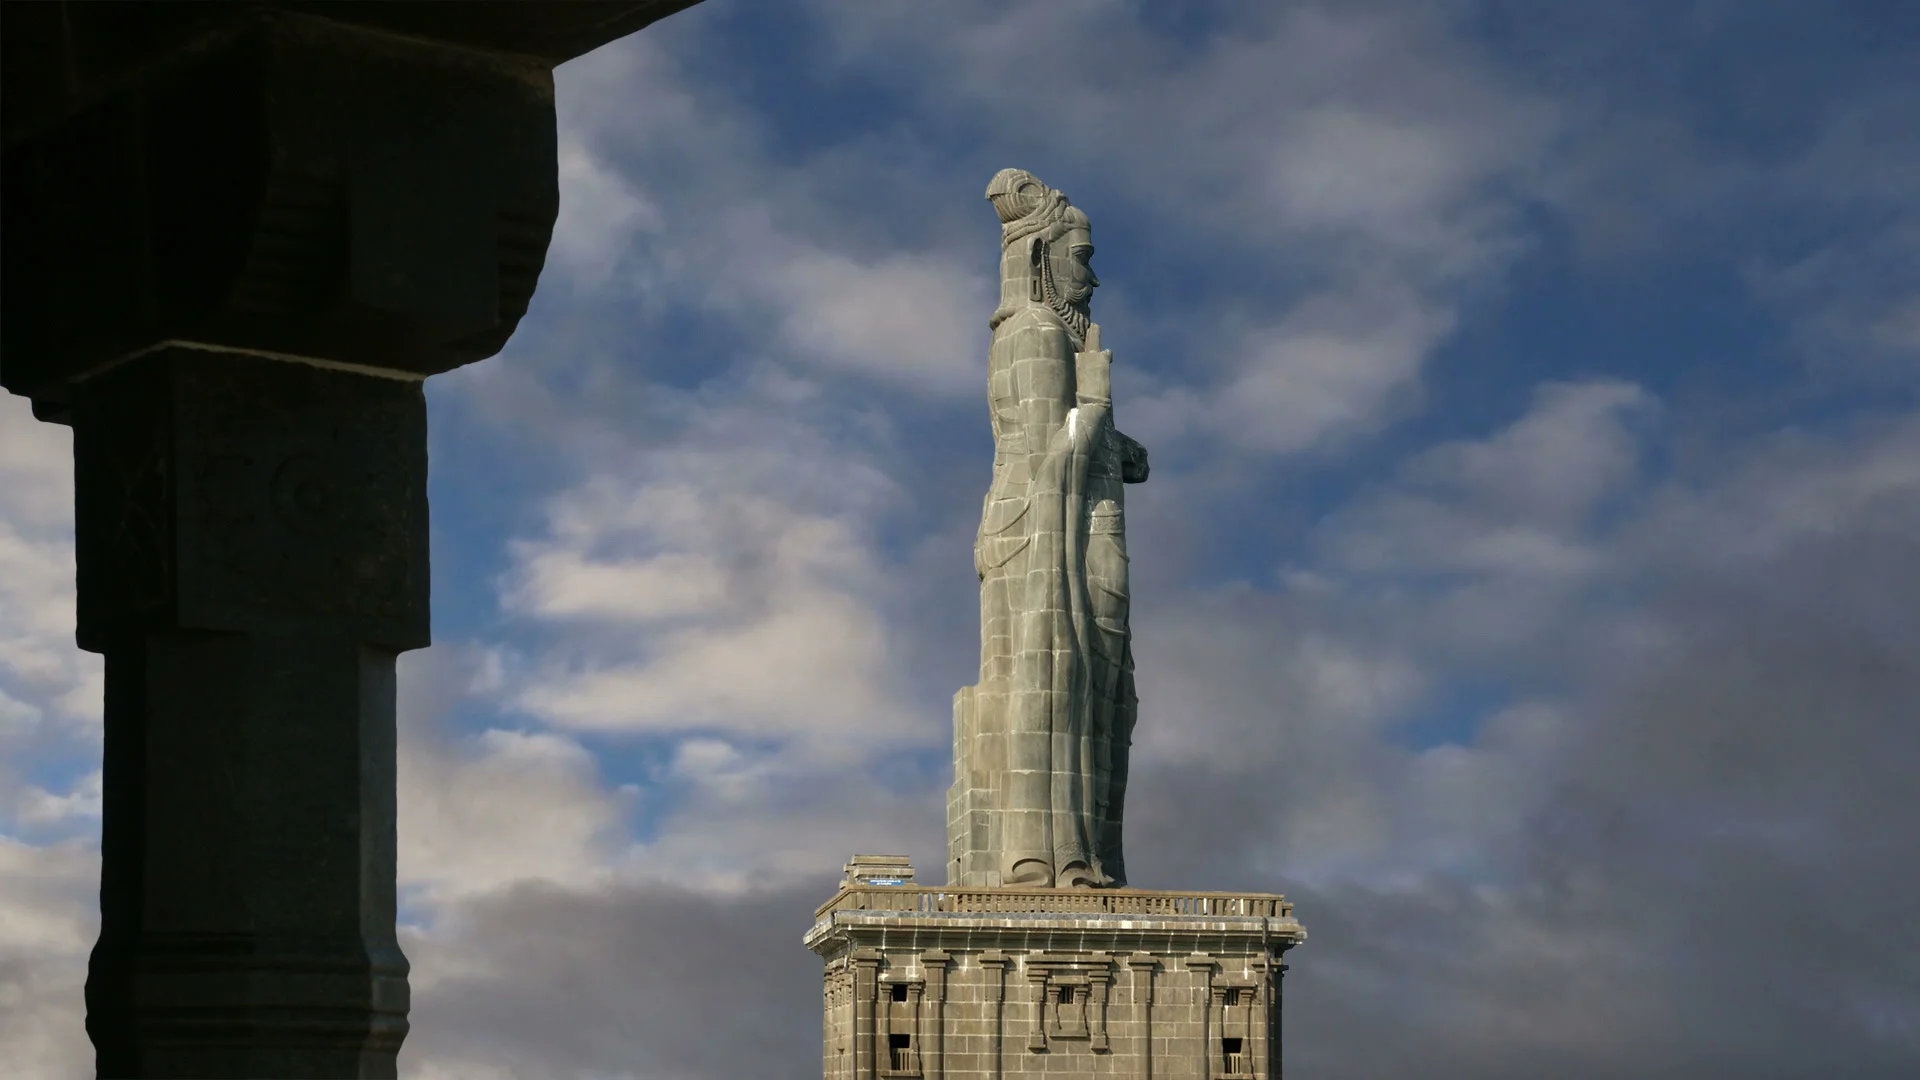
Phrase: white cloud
(486, 811)
(741, 596)
(36, 806)
(1517, 503)
(48, 922)
(601, 217)
(908, 316)
(1339, 364)
(41, 671)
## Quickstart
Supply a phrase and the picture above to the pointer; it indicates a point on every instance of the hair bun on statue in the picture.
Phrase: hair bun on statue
(1015, 194)
(1026, 206)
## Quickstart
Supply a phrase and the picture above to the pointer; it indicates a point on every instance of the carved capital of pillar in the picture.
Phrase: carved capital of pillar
(288, 184)
(1044, 997)
(1100, 982)
(933, 966)
(996, 965)
(224, 493)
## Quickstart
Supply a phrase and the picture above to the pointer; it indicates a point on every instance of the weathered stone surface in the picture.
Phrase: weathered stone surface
(996, 983)
(1041, 741)
(1035, 960)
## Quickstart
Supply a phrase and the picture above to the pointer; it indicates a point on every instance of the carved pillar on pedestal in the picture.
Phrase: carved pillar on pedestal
(238, 237)
(1042, 997)
(916, 1046)
(882, 1028)
(933, 967)
(866, 999)
(1270, 1018)
(1140, 984)
(1202, 967)
(1099, 980)
(995, 964)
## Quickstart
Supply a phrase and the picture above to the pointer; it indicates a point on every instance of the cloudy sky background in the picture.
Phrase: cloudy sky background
(1527, 583)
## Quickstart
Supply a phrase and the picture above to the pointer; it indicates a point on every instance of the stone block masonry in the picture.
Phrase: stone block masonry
(990, 984)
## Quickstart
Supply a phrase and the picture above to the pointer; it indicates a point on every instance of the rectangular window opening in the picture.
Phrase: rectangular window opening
(900, 1049)
(1236, 1062)
(898, 991)
(1233, 998)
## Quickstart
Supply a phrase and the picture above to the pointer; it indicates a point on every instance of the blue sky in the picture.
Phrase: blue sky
(1524, 585)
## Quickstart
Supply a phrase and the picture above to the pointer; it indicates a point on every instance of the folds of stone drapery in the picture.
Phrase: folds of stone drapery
(1041, 740)
(1050, 812)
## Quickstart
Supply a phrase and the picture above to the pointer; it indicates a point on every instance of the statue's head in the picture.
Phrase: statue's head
(1055, 238)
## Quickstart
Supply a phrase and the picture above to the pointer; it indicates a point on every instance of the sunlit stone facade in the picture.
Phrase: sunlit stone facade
(972, 984)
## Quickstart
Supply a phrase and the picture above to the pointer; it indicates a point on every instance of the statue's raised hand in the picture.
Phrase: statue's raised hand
(1093, 371)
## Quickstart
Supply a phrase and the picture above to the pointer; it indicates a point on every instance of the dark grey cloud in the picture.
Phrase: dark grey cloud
(655, 983)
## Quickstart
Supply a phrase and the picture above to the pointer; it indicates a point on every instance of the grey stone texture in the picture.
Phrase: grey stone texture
(986, 984)
(1036, 960)
(1041, 741)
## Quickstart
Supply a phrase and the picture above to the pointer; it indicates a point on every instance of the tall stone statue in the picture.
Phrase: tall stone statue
(1040, 743)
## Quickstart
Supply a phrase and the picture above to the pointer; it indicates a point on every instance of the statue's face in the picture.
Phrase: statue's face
(1073, 265)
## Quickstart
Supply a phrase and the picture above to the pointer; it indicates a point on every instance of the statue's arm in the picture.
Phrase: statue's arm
(1094, 370)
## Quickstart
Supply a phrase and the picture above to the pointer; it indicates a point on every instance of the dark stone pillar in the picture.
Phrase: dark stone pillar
(238, 237)
(252, 556)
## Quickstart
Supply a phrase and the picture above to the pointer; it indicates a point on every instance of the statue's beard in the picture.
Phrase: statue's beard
(1074, 306)
(1077, 316)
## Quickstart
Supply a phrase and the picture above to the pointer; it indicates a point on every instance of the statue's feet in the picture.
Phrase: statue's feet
(1030, 873)
(1078, 875)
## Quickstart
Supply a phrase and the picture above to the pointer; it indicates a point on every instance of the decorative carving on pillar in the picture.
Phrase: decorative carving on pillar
(995, 964)
(866, 997)
(1271, 1057)
(1100, 979)
(837, 1024)
(1140, 983)
(1041, 998)
(933, 966)
(1208, 1052)
(916, 1044)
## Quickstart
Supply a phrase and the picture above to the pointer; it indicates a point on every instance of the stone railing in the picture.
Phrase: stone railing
(927, 900)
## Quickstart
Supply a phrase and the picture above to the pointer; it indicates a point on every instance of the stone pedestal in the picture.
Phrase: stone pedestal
(986, 984)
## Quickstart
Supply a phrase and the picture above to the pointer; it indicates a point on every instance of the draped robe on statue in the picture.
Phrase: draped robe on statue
(1041, 741)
